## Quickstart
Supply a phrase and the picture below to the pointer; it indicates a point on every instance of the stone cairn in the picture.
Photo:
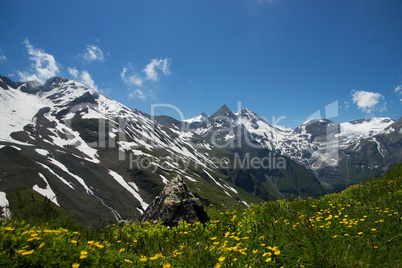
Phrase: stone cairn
(174, 204)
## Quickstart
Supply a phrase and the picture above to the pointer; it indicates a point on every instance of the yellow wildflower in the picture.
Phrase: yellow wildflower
(128, 261)
(27, 252)
(83, 254)
(75, 265)
(221, 258)
(98, 245)
(156, 256)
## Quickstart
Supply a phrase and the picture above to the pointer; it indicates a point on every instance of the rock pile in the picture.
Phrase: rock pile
(174, 204)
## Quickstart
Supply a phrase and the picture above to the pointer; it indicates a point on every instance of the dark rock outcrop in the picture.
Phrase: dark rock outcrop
(174, 204)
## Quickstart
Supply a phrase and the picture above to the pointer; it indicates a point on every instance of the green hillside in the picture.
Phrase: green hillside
(360, 227)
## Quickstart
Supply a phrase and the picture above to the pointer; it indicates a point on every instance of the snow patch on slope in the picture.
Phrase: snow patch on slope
(65, 169)
(126, 186)
(69, 184)
(5, 205)
(14, 115)
(47, 192)
(42, 152)
(366, 127)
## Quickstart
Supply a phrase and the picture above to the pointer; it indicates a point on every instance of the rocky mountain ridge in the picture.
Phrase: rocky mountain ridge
(102, 161)
(339, 154)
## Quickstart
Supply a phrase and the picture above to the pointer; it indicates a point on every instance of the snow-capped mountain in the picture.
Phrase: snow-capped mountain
(197, 119)
(102, 161)
(94, 157)
(338, 154)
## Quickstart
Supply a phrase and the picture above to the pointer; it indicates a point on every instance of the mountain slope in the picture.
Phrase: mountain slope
(103, 162)
(337, 154)
(96, 158)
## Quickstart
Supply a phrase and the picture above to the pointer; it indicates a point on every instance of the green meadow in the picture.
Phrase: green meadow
(360, 227)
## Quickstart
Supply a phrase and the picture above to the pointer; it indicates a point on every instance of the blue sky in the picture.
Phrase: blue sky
(277, 57)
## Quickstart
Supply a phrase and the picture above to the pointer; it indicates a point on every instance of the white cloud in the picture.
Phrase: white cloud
(84, 77)
(93, 53)
(398, 89)
(137, 94)
(131, 79)
(2, 56)
(87, 80)
(152, 68)
(368, 101)
(142, 82)
(43, 65)
(73, 72)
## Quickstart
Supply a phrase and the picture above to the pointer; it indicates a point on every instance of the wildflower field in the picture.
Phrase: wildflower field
(359, 227)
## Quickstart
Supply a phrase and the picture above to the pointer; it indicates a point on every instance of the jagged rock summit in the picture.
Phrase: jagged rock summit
(174, 204)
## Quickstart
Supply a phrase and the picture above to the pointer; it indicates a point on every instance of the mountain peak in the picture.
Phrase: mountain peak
(198, 119)
(224, 111)
(55, 82)
(245, 112)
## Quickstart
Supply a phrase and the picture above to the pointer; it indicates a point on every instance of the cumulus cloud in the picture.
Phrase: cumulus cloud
(131, 78)
(93, 53)
(398, 89)
(2, 56)
(368, 101)
(43, 65)
(142, 81)
(83, 77)
(137, 94)
(87, 80)
(151, 69)
(73, 72)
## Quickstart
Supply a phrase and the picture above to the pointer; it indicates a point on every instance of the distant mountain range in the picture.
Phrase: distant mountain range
(102, 161)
